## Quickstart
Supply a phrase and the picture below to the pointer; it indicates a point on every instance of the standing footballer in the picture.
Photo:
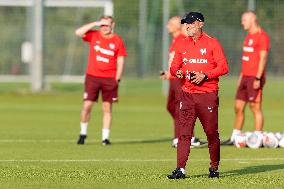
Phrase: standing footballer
(200, 60)
(252, 77)
(106, 59)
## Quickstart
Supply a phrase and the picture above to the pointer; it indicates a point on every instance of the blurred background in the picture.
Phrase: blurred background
(141, 23)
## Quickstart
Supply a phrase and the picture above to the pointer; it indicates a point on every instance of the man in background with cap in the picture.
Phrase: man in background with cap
(199, 60)
(178, 32)
(252, 77)
(104, 71)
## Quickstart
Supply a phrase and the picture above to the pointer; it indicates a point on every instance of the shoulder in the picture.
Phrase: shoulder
(211, 39)
(263, 34)
(181, 43)
(117, 37)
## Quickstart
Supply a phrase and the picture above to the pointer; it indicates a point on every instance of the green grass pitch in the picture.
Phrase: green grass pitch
(39, 133)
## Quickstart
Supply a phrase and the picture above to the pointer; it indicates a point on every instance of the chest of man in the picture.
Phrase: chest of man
(104, 47)
(251, 44)
(197, 54)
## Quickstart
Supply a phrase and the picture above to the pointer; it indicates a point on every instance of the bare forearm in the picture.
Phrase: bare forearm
(80, 32)
(119, 70)
(262, 63)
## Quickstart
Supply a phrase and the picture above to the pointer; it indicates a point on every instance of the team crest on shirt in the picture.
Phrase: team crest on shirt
(250, 42)
(111, 46)
(203, 51)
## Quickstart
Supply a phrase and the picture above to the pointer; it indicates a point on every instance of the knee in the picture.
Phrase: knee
(254, 107)
(239, 110)
(213, 137)
(86, 109)
(107, 108)
(184, 138)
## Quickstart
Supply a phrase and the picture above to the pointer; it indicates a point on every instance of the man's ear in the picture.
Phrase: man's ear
(201, 24)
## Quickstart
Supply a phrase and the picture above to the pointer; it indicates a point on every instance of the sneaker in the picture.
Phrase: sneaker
(106, 142)
(81, 139)
(196, 142)
(176, 174)
(175, 143)
(228, 142)
(213, 173)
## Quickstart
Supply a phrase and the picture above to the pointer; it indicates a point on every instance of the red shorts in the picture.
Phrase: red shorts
(246, 92)
(107, 86)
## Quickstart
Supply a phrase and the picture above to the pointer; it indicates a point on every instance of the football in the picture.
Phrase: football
(240, 140)
(280, 139)
(269, 140)
(254, 141)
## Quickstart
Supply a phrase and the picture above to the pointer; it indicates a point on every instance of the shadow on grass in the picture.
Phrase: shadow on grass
(254, 170)
(246, 170)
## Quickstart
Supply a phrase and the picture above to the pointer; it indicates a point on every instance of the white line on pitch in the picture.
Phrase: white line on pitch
(133, 160)
(72, 140)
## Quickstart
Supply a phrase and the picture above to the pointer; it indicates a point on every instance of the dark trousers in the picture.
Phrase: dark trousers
(205, 107)
(173, 102)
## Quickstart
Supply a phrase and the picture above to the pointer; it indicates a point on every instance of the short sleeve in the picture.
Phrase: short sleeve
(264, 42)
(121, 48)
(88, 36)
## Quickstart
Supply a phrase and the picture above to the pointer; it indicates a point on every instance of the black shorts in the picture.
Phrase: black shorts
(107, 86)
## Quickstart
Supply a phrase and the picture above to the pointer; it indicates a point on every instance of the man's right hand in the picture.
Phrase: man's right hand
(179, 74)
(104, 22)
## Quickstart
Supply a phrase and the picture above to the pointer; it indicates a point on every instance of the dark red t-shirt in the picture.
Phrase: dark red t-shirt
(253, 44)
(103, 54)
(206, 55)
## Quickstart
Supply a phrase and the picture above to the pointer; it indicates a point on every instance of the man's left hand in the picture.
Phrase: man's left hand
(256, 84)
(198, 78)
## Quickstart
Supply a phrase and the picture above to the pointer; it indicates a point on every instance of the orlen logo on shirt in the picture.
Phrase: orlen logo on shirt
(103, 51)
(195, 61)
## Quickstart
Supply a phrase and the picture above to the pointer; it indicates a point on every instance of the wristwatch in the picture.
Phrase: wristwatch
(206, 77)
(257, 78)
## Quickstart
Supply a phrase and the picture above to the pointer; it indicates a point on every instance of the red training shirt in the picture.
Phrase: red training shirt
(206, 56)
(103, 54)
(174, 45)
(252, 46)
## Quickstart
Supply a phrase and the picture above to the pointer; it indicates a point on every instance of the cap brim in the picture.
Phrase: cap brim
(188, 21)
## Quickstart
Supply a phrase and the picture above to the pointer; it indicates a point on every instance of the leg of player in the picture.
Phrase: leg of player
(107, 118)
(171, 107)
(187, 118)
(85, 118)
(258, 115)
(239, 121)
(207, 111)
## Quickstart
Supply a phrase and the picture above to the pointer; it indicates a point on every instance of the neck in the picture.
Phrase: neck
(196, 36)
(254, 29)
(108, 35)
(175, 34)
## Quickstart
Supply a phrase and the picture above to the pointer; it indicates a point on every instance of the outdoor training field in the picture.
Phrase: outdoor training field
(39, 134)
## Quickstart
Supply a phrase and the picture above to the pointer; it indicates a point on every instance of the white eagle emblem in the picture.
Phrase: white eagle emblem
(203, 51)
(111, 45)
